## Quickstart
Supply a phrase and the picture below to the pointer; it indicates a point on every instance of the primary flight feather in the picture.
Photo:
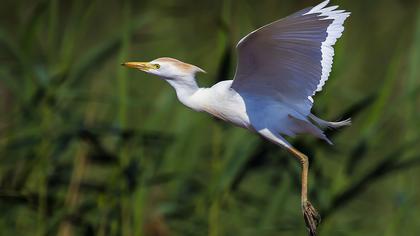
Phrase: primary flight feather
(280, 68)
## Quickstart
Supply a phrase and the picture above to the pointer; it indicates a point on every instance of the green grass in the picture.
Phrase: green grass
(90, 148)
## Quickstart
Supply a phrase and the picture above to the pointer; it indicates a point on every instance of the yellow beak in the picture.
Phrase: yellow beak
(144, 66)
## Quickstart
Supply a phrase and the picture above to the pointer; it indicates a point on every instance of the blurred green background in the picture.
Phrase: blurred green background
(88, 147)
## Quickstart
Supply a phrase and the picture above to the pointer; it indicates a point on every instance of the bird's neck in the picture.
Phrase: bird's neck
(185, 89)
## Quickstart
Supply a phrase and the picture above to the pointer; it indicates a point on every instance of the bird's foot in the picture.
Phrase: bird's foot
(312, 217)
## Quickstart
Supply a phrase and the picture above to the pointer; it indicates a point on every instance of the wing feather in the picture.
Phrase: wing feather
(290, 59)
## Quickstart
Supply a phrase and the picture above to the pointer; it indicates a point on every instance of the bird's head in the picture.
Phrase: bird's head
(167, 68)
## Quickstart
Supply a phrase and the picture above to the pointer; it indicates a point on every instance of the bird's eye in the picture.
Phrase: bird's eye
(157, 66)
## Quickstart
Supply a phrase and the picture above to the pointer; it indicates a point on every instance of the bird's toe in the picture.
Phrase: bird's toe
(312, 217)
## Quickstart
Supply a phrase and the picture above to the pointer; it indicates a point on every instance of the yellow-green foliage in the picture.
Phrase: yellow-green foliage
(88, 147)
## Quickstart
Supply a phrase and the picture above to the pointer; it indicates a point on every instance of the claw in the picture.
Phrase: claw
(312, 217)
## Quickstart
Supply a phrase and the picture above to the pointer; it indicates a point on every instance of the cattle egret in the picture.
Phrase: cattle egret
(280, 68)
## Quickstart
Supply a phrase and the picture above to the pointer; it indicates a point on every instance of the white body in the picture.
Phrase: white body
(225, 103)
(222, 102)
(265, 116)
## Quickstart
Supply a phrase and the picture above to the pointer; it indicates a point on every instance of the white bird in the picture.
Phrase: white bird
(280, 68)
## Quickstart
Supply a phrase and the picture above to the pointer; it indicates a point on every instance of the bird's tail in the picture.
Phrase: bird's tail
(327, 124)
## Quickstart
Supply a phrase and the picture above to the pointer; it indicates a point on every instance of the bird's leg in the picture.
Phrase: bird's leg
(311, 216)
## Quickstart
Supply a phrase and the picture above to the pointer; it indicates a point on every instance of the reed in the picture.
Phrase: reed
(87, 148)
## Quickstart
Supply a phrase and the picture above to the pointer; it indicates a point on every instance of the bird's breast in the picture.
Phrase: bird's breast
(226, 105)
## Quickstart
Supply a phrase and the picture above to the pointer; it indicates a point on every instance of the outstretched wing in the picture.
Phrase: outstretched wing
(289, 60)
